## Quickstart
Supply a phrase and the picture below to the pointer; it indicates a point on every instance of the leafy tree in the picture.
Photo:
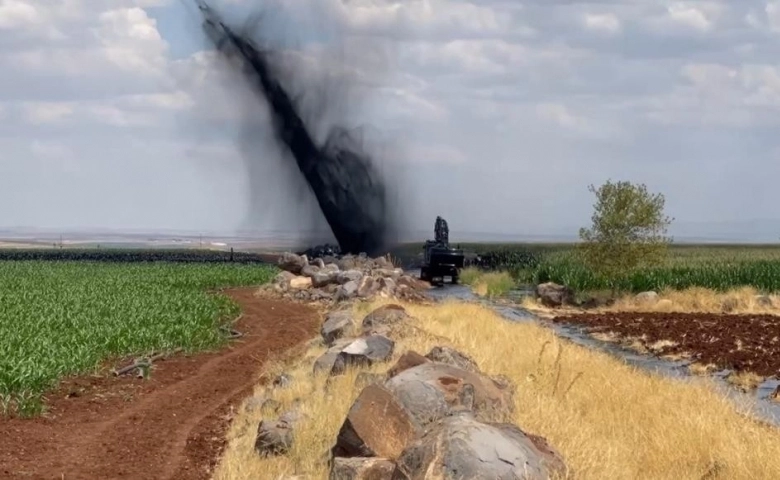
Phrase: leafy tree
(628, 230)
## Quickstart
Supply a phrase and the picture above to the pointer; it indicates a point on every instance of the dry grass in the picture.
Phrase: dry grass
(697, 299)
(609, 420)
(487, 284)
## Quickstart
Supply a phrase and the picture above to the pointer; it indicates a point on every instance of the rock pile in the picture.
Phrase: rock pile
(331, 279)
(429, 416)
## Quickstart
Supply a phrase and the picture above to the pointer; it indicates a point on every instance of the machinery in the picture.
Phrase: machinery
(439, 259)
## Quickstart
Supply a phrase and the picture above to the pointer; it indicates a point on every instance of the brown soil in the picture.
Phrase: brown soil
(744, 343)
(171, 426)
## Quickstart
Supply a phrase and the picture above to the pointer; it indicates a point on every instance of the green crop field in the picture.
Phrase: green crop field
(719, 267)
(61, 318)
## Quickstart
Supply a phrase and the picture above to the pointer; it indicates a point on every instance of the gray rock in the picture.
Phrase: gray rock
(309, 270)
(361, 469)
(450, 356)
(432, 390)
(368, 287)
(275, 437)
(364, 379)
(323, 278)
(363, 352)
(649, 297)
(346, 276)
(337, 325)
(325, 362)
(384, 316)
(386, 287)
(553, 295)
(460, 447)
(283, 278)
(347, 291)
(292, 263)
(319, 263)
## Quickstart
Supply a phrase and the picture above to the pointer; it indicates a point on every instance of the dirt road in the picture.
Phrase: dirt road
(738, 342)
(168, 427)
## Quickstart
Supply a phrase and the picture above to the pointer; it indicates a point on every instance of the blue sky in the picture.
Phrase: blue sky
(495, 114)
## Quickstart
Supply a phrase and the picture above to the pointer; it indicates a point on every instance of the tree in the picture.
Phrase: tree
(628, 230)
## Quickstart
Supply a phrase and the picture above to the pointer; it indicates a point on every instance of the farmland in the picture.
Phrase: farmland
(717, 267)
(63, 318)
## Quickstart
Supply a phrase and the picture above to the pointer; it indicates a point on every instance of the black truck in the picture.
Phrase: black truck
(439, 259)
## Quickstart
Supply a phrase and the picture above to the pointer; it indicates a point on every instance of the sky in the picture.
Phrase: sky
(494, 114)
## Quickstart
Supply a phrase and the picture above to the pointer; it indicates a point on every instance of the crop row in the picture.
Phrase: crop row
(131, 255)
(62, 318)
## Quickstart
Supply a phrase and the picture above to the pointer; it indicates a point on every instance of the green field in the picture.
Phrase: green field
(719, 267)
(61, 318)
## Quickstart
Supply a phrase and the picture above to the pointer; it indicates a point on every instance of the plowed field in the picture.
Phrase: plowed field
(743, 343)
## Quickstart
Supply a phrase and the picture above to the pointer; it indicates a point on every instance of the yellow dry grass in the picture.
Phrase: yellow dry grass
(609, 420)
(696, 299)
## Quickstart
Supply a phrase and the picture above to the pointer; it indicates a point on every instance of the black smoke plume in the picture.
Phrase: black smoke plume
(349, 190)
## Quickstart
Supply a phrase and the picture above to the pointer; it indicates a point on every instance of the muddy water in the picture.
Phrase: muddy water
(755, 403)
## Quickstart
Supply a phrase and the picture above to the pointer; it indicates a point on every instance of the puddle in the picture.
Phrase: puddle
(756, 403)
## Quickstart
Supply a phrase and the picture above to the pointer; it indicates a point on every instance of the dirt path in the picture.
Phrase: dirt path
(169, 427)
(744, 343)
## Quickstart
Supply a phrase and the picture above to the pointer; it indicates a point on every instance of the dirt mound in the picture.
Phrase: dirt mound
(171, 426)
(743, 343)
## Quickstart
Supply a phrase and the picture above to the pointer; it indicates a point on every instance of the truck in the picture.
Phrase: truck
(439, 258)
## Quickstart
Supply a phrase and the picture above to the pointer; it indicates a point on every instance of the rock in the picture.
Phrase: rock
(276, 437)
(309, 270)
(292, 263)
(450, 356)
(363, 352)
(319, 262)
(300, 283)
(325, 362)
(337, 325)
(282, 381)
(664, 304)
(347, 291)
(376, 426)
(389, 273)
(408, 360)
(383, 262)
(349, 276)
(323, 278)
(413, 283)
(553, 295)
(283, 278)
(384, 316)
(647, 297)
(460, 447)
(432, 390)
(368, 287)
(763, 300)
(386, 287)
(361, 469)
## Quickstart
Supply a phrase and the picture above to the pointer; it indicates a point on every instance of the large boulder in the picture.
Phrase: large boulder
(384, 318)
(450, 356)
(346, 276)
(361, 468)
(363, 352)
(337, 325)
(460, 447)
(376, 426)
(367, 287)
(292, 263)
(323, 278)
(431, 391)
(408, 360)
(553, 295)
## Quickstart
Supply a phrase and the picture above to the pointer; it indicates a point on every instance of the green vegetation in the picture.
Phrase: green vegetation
(628, 231)
(489, 284)
(62, 318)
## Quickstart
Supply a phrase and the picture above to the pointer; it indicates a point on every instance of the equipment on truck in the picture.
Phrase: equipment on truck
(439, 259)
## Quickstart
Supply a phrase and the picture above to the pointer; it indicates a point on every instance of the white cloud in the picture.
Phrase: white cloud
(602, 22)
